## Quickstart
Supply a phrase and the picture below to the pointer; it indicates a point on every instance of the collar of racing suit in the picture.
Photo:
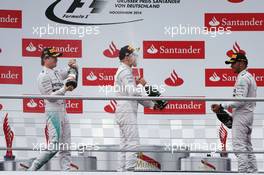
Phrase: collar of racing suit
(47, 69)
(126, 66)
(242, 72)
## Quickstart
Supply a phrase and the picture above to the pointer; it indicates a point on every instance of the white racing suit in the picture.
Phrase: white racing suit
(243, 113)
(50, 82)
(126, 115)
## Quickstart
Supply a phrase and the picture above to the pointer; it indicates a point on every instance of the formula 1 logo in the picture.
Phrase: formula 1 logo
(80, 12)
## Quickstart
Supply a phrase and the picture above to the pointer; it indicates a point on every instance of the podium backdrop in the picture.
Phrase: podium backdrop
(183, 46)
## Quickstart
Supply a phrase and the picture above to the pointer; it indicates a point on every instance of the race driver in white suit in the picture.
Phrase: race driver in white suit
(126, 113)
(242, 114)
(50, 82)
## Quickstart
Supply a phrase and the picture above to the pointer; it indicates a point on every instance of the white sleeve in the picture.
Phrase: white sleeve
(129, 83)
(63, 73)
(240, 90)
(45, 86)
(145, 103)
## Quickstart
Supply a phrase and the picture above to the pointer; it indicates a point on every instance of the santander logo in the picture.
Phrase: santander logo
(33, 105)
(91, 77)
(112, 51)
(11, 75)
(98, 76)
(31, 47)
(173, 49)
(174, 80)
(226, 77)
(220, 77)
(74, 106)
(152, 50)
(111, 108)
(180, 107)
(214, 77)
(10, 19)
(34, 47)
(214, 22)
(38, 106)
(103, 76)
(234, 21)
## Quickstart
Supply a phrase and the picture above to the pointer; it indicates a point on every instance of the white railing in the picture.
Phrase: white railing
(258, 99)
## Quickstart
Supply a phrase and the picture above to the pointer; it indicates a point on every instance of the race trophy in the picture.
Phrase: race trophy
(9, 137)
(223, 139)
(224, 117)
